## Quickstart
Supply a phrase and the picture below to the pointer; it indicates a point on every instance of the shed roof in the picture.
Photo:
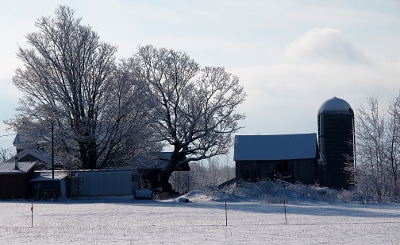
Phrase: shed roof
(48, 176)
(159, 161)
(9, 167)
(275, 147)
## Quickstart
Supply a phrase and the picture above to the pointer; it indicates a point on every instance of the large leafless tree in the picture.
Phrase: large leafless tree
(71, 81)
(195, 108)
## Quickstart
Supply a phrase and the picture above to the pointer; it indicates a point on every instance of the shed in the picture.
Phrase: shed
(14, 180)
(293, 157)
(46, 187)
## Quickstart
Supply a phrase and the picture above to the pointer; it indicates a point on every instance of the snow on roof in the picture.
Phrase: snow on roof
(40, 155)
(47, 176)
(335, 104)
(9, 167)
(275, 147)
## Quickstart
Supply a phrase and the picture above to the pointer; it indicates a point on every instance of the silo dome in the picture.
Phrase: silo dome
(335, 105)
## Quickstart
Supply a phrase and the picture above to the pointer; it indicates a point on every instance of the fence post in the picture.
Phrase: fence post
(284, 205)
(226, 212)
(32, 213)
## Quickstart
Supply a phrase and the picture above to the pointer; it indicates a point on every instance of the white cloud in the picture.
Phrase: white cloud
(324, 45)
(284, 98)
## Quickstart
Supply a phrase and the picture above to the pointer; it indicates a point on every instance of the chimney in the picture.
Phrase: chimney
(16, 163)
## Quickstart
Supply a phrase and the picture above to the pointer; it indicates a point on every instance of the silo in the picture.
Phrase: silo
(336, 142)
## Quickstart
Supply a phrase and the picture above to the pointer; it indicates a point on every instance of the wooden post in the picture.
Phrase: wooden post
(32, 213)
(226, 213)
(284, 205)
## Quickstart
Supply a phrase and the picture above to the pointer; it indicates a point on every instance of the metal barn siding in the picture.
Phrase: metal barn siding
(300, 170)
(101, 183)
(336, 141)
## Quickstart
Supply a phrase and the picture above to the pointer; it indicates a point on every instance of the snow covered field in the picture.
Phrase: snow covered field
(125, 221)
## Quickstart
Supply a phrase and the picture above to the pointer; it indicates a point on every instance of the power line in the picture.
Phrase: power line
(6, 135)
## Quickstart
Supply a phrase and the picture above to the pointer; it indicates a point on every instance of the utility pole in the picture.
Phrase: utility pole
(52, 150)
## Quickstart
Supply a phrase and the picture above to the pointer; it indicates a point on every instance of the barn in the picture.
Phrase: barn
(14, 179)
(292, 157)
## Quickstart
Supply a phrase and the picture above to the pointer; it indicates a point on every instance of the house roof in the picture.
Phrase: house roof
(9, 167)
(40, 155)
(275, 147)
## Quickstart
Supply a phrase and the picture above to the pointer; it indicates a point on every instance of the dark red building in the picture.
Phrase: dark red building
(14, 180)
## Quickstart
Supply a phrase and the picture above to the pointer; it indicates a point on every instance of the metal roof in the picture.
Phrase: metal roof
(275, 147)
(48, 176)
(335, 105)
(158, 161)
(9, 167)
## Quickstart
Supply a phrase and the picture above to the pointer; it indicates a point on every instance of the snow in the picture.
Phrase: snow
(250, 220)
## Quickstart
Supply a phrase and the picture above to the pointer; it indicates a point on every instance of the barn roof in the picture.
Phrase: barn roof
(275, 147)
(9, 167)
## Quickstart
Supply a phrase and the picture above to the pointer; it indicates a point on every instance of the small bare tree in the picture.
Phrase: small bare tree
(205, 173)
(5, 154)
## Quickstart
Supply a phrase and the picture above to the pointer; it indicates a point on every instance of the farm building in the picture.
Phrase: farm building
(293, 157)
(48, 185)
(84, 183)
(14, 179)
(336, 141)
(302, 157)
(28, 151)
(150, 170)
(103, 182)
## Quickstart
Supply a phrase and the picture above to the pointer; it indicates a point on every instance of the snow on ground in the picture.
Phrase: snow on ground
(122, 220)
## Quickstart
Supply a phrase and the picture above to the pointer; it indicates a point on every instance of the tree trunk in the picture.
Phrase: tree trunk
(175, 160)
(88, 155)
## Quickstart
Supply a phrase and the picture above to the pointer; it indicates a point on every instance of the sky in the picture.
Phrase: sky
(290, 56)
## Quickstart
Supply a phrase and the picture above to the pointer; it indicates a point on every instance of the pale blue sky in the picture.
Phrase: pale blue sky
(290, 56)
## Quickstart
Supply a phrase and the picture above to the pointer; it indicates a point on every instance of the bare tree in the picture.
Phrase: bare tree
(71, 81)
(194, 107)
(205, 173)
(378, 149)
(5, 154)
(392, 142)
